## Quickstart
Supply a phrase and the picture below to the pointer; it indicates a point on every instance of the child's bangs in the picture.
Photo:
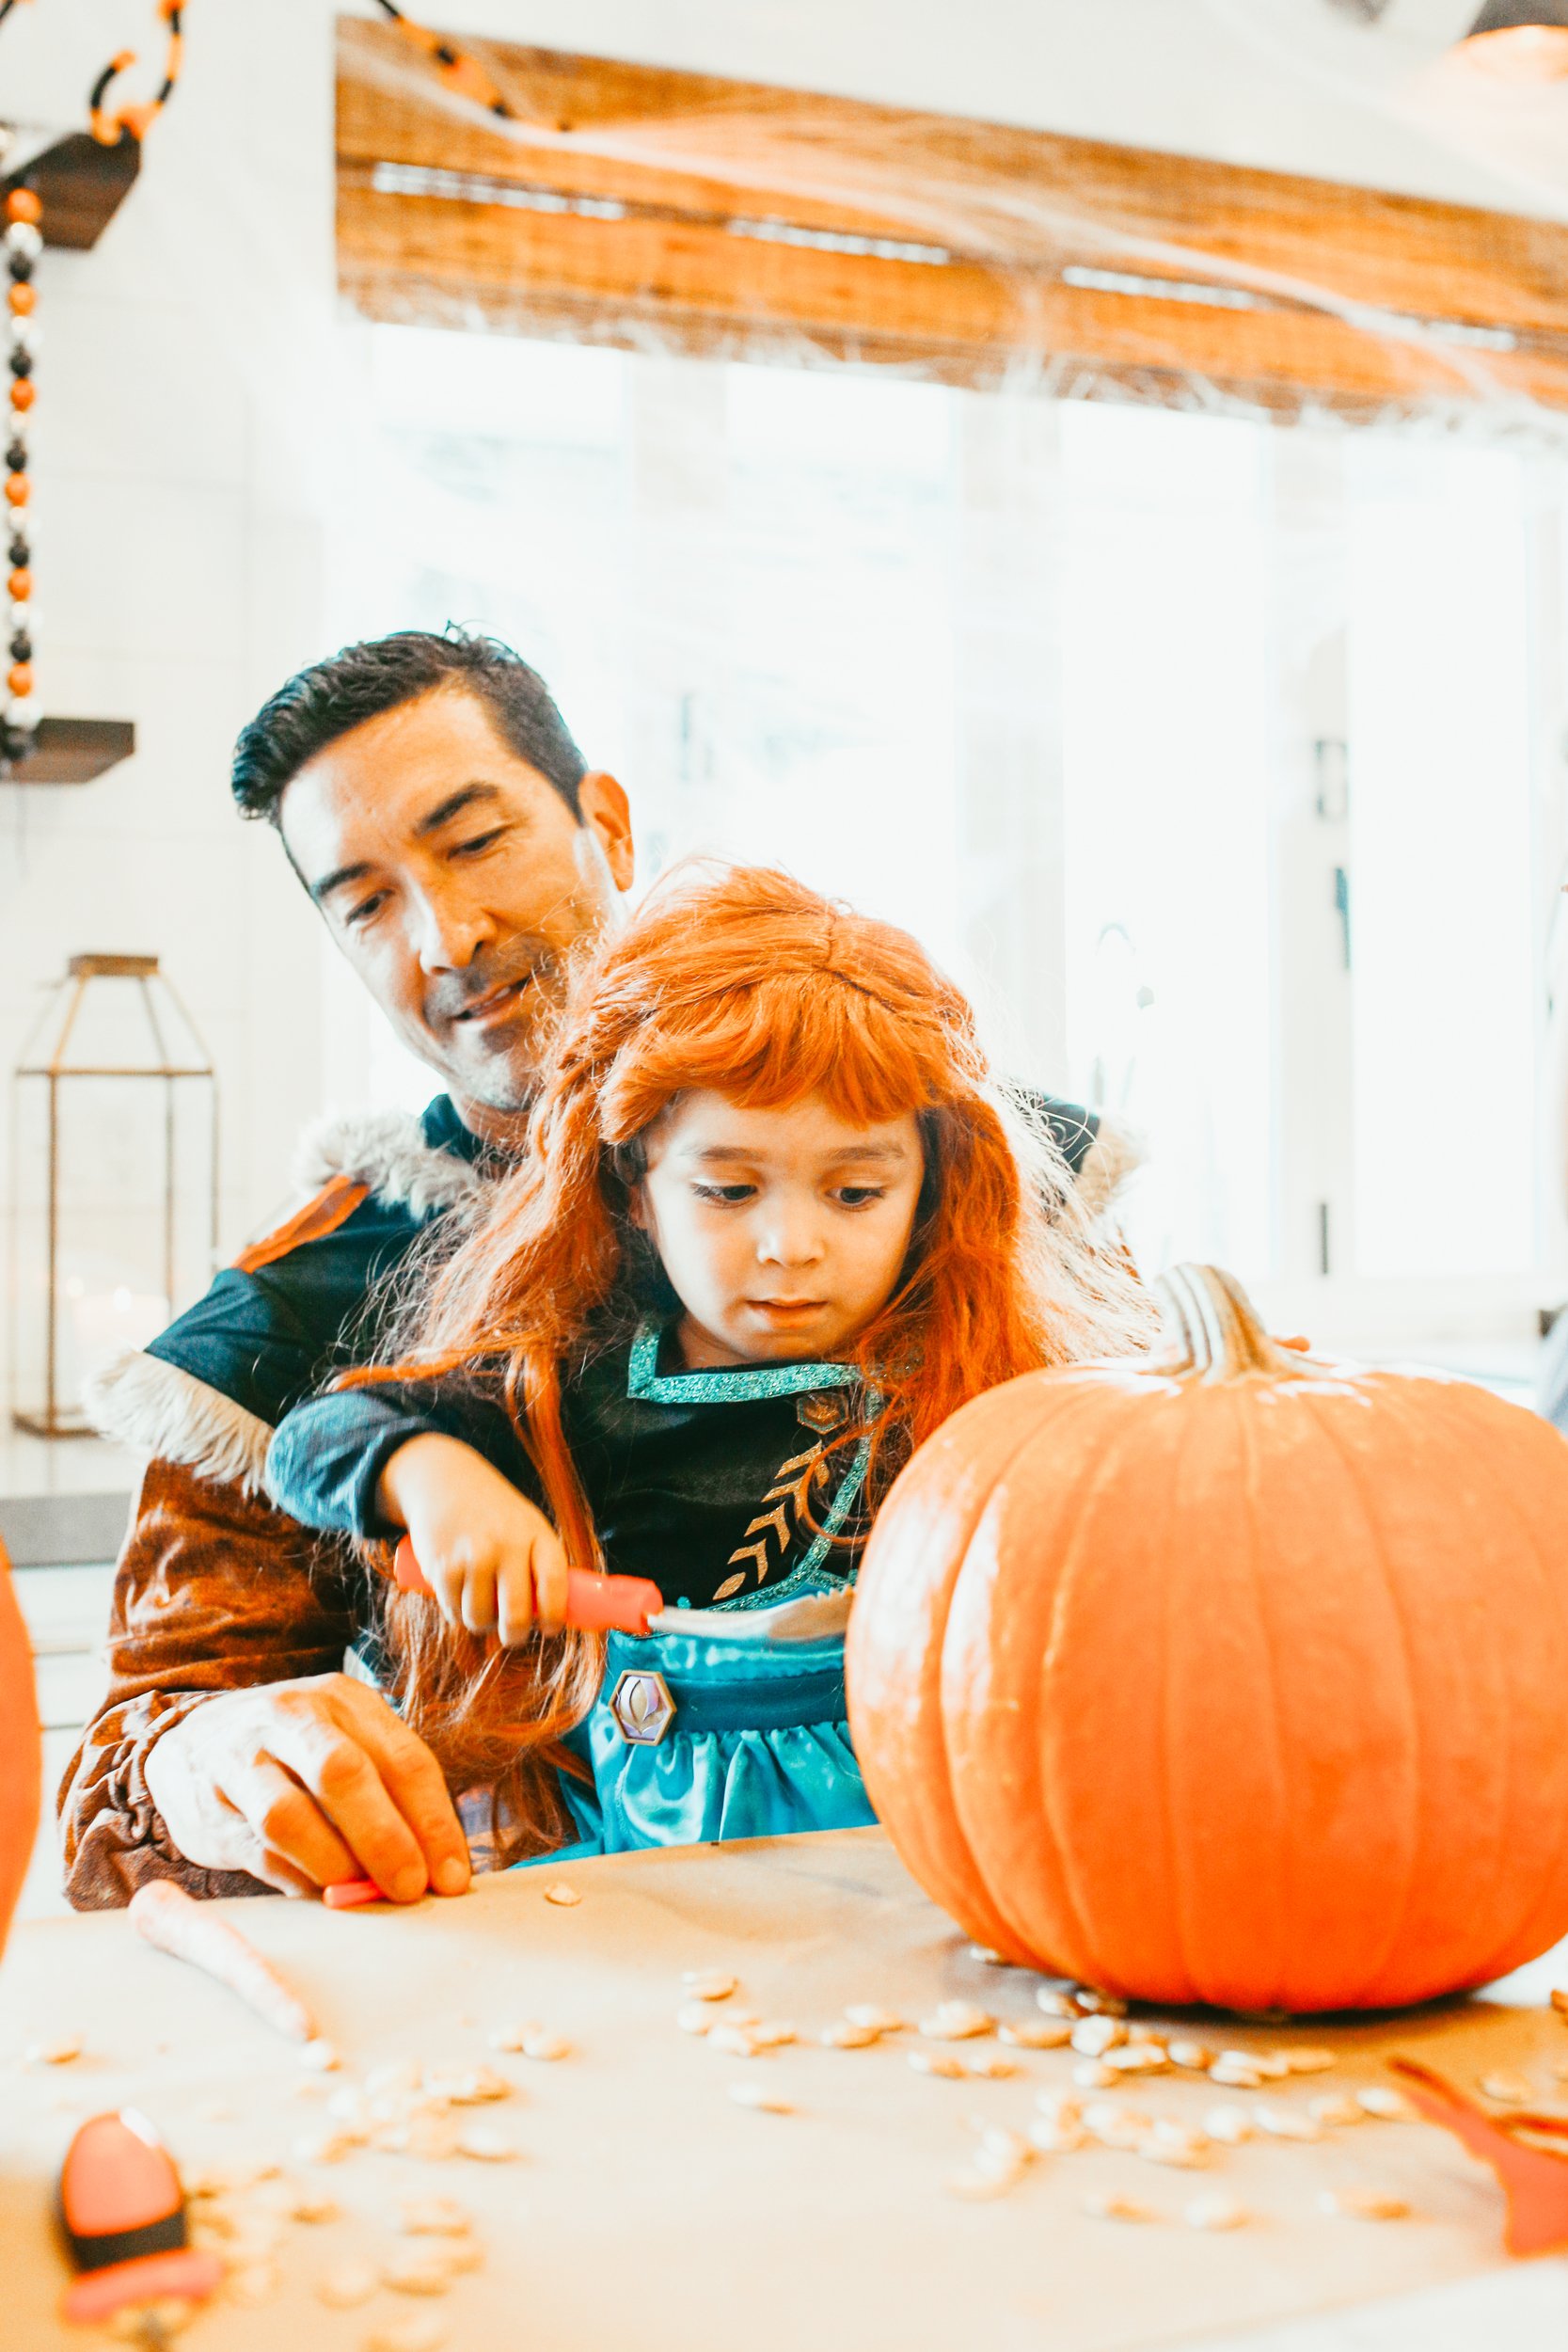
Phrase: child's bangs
(775, 1042)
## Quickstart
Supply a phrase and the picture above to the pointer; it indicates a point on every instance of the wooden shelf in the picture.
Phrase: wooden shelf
(81, 184)
(73, 751)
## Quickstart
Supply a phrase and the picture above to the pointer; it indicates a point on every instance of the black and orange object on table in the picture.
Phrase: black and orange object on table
(122, 2213)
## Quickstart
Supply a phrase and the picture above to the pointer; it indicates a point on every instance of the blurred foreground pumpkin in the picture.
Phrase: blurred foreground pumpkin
(19, 1750)
(1227, 1677)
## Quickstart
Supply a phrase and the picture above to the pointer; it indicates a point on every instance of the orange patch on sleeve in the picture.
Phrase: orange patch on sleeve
(332, 1206)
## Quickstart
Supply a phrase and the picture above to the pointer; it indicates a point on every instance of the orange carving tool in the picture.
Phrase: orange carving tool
(1534, 2180)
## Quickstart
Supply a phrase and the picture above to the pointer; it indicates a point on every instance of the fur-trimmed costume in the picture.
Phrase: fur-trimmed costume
(217, 1590)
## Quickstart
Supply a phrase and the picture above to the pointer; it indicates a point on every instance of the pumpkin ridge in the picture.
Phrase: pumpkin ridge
(1400, 1910)
(1025, 1930)
(1503, 1503)
(1287, 1927)
(1127, 1439)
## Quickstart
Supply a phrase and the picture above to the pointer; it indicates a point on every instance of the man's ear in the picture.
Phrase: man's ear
(605, 809)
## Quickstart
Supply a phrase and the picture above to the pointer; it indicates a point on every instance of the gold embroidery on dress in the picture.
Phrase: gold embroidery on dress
(790, 1493)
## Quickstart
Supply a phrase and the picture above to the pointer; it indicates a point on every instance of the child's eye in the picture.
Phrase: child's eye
(857, 1195)
(730, 1193)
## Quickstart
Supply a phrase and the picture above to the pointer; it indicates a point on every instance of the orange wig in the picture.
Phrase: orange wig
(744, 982)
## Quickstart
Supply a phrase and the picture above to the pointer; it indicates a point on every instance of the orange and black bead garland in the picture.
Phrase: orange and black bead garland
(24, 244)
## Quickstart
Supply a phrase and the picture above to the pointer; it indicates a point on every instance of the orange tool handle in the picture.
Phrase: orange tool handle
(596, 1604)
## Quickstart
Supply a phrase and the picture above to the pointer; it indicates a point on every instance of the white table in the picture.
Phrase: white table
(647, 2209)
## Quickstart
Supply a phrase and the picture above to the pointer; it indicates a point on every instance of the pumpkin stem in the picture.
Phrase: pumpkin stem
(1207, 1316)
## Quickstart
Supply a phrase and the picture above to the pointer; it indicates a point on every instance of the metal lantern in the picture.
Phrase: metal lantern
(115, 1175)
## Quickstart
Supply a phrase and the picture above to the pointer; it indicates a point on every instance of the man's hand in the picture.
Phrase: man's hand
(304, 1783)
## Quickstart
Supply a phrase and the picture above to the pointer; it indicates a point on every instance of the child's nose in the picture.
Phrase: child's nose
(790, 1240)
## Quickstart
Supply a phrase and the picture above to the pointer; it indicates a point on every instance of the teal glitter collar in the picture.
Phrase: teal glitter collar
(742, 1386)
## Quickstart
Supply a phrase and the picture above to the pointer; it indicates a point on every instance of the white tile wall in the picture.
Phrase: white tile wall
(178, 525)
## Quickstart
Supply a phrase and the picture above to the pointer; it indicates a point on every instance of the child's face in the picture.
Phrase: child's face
(783, 1232)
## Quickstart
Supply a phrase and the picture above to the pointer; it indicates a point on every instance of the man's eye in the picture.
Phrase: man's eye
(366, 908)
(729, 1193)
(480, 841)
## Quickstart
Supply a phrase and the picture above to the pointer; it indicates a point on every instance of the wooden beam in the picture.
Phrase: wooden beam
(729, 216)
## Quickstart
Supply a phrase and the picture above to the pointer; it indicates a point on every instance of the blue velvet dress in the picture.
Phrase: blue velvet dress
(733, 1489)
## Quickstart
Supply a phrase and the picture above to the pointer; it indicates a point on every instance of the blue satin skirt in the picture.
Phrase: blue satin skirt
(690, 1741)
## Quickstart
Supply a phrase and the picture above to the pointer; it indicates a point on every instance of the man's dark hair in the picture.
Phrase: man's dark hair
(325, 701)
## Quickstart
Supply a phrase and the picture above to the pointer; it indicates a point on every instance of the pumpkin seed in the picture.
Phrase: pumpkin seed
(419, 2333)
(320, 2056)
(1057, 2139)
(991, 2066)
(941, 2062)
(1186, 2156)
(979, 2184)
(416, 2272)
(349, 2285)
(735, 2041)
(61, 2052)
(546, 2048)
(1560, 2001)
(1138, 2058)
(1061, 2109)
(1334, 2108)
(1094, 2036)
(1116, 2126)
(1508, 2091)
(1108, 2204)
(1103, 2004)
(1055, 2003)
(773, 2034)
(433, 2216)
(559, 1892)
(486, 2145)
(327, 2146)
(1214, 2212)
(1029, 2033)
(987, 1959)
(1093, 2075)
(692, 2018)
(1388, 2105)
(1287, 2122)
(844, 2035)
(310, 2205)
(1233, 2074)
(256, 2284)
(170, 2317)
(879, 2020)
(757, 2096)
(1363, 2205)
(476, 2087)
(462, 2254)
(1306, 2060)
(1230, 2125)
(956, 2021)
(706, 1985)
(999, 2145)
(1193, 2057)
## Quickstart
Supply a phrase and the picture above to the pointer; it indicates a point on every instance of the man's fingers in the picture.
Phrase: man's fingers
(413, 1780)
(287, 1822)
(346, 1782)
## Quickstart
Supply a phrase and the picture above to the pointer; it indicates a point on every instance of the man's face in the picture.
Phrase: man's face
(456, 880)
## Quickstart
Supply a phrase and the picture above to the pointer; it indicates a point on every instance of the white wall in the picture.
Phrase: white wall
(190, 411)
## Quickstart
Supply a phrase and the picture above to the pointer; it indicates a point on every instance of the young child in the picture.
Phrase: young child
(775, 1224)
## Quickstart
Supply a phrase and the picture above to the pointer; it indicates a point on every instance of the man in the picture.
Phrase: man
(434, 804)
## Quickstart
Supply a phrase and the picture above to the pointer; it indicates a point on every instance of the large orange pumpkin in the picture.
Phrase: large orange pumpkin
(1225, 1676)
(19, 1750)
